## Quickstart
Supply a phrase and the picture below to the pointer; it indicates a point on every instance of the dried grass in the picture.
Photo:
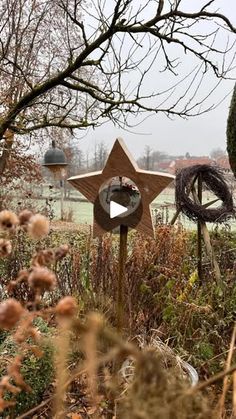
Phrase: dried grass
(170, 361)
(154, 384)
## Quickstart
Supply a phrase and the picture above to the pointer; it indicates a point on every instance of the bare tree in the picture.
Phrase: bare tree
(76, 63)
(150, 159)
(21, 171)
(33, 48)
(217, 152)
(100, 156)
(146, 160)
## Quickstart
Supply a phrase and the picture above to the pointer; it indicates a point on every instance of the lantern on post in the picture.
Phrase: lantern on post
(55, 160)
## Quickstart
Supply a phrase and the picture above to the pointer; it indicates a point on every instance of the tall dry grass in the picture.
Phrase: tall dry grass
(62, 283)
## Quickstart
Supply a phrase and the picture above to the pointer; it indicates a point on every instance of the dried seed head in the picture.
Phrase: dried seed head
(6, 384)
(22, 276)
(61, 251)
(5, 248)
(14, 370)
(66, 307)
(38, 226)
(8, 220)
(10, 313)
(42, 279)
(5, 404)
(43, 257)
(24, 217)
(11, 287)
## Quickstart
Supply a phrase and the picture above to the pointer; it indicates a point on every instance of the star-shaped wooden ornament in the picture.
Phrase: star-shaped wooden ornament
(120, 164)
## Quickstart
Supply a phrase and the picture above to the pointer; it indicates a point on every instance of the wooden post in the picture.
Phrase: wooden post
(209, 248)
(175, 216)
(121, 277)
(62, 198)
(199, 232)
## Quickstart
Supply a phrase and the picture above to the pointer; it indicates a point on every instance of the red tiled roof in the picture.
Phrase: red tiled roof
(174, 165)
(180, 164)
(163, 165)
(223, 162)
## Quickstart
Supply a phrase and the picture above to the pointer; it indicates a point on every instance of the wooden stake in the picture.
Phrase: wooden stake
(199, 232)
(175, 216)
(209, 248)
(121, 277)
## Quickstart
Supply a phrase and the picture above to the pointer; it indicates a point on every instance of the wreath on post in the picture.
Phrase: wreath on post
(213, 179)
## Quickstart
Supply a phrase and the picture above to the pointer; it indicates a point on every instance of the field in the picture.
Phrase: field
(81, 211)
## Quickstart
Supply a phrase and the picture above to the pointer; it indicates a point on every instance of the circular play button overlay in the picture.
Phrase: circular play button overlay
(118, 202)
(123, 192)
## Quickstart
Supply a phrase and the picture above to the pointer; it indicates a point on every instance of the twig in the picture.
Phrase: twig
(35, 409)
(226, 381)
(234, 395)
(207, 241)
(210, 381)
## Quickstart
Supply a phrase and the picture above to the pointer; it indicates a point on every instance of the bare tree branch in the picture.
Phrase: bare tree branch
(71, 65)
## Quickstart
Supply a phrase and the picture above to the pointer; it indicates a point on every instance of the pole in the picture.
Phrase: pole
(209, 248)
(199, 231)
(121, 277)
(120, 304)
(62, 198)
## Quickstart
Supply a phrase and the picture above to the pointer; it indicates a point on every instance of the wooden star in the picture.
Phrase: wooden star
(121, 164)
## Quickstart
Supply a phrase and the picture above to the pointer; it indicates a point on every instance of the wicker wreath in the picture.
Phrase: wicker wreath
(214, 181)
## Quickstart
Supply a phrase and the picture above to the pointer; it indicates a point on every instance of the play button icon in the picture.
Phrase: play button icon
(116, 209)
(117, 203)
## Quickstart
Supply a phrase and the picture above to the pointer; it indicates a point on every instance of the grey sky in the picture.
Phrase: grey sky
(197, 135)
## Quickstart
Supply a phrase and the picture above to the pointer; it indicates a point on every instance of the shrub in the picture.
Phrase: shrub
(37, 372)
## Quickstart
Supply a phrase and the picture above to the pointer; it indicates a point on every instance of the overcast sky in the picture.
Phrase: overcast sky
(197, 135)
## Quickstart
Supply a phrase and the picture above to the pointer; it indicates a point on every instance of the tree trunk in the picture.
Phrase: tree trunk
(6, 152)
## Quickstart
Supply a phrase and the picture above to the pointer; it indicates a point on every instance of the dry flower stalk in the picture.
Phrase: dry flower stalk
(94, 323)
(234, 394)
(12, 313)
(62, 373)
(65, 311)
(226, 378)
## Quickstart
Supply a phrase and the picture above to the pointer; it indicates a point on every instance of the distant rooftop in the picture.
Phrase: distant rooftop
(172, 166)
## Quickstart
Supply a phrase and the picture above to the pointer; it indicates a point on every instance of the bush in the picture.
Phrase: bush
(37, 372)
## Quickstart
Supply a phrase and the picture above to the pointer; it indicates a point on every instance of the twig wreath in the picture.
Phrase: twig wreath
(214, 180)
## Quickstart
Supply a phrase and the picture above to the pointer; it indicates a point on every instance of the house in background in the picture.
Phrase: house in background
(223, 163)
(173, 166)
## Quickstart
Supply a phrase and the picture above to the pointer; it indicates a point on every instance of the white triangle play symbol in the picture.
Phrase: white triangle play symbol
(116, 209)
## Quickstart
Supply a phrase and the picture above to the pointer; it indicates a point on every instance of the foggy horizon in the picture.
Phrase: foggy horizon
(197, 136)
